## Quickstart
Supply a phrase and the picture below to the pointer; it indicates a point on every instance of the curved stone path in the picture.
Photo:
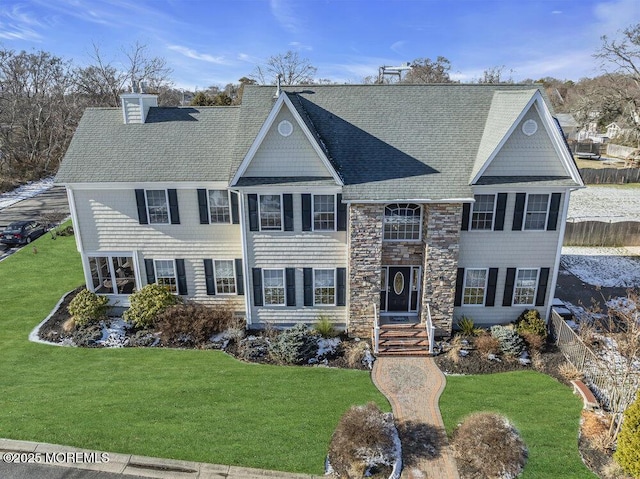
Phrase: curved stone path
(413, 386)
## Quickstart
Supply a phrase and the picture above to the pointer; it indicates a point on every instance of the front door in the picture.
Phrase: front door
(398, 287)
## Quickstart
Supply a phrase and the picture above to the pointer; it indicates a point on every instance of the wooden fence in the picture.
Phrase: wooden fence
(607, 386)
(600, 233)
(612, 176)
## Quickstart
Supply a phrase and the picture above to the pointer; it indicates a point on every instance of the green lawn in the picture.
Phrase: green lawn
(192, 405)
(544, 411)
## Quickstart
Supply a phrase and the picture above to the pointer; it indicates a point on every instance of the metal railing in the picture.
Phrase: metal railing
(614, 392)
(375, 334)
(431, 330)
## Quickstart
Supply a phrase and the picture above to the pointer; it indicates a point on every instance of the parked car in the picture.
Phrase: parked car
(22, 232)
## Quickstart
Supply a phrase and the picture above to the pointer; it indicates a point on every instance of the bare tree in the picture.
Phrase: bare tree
(495, 75)
(425, 70)
(293, 70)
(101, 83)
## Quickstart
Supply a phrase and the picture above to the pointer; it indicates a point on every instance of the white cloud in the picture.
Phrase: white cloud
(189, 53)
(557, 12)
(284, 13)
(17, 24)
(300, 46)
(397, 46)
(616, 15)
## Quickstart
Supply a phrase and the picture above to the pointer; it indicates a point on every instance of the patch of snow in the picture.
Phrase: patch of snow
(327, 346)
(464, 353)
(622, 304)
(114, 333)
(603, 270)
(25, 191)
(601, 250)
(368, 359)
(605, 203)
(493, 357)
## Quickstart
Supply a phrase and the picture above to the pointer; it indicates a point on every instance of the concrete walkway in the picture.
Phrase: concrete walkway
(413, 387)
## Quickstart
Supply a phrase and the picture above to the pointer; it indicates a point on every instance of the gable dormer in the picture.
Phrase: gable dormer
(286, 147)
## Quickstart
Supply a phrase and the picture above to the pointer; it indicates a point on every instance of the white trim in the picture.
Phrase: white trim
(74, 218)
(335, 286)
(133, 254)
(281, 212)
(493, 218)
(515, 287)
(411, 200)
(284, 287)
(148, 185)
(235, 278)
(266, 126)
(270, 189)
(385, 288)
(556, 264)
(166, 199)
(484, 288)
(335, 213)
(248, 293)
(407, 240)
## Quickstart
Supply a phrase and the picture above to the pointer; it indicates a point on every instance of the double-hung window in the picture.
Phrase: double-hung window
(402, 221)
(225, 277)
(165, 270)
(219, 206)
(483, 212)
(157, 206)
(270, 212)
(112, 274)
(475, 285)
(524, 292)
(324, 287)
(273, 287)
(324, 212)
(536, 212)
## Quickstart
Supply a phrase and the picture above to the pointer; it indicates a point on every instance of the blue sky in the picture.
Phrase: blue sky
(218, 41)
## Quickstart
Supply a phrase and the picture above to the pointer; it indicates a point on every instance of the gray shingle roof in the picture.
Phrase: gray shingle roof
(523, 181)
(387, 142)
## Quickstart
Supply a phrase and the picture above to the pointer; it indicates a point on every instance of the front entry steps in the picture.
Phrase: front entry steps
(406, 339)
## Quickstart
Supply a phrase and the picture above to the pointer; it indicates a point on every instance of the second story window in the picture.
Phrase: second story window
(324, 212)
(157, 206)
(482, 217)
(270, 213)
(402, 221)
(536, 212)
(219, 206)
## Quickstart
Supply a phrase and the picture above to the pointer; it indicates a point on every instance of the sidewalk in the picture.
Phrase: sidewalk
(130, 465)
(413, 387)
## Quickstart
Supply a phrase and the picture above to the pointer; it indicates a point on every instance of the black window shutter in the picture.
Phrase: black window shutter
(466, 211)
(459, 283)
(501, 207)
(542, 286)
(554, 209)
(306, 212)
(518, 212)
(150, 270)
(290, 279)
(142, 207)
(491, 287)
(235, 212)
(239, 277)
(342, 214)
(173, 207)
(203, 207)
(308, 286)
(341, 283)
(182, 277)
(257, 286)
(507, 298)
(253, 214)
(209, 277)
(287, 201)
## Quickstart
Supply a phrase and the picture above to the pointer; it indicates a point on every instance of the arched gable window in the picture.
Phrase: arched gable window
(402, 221)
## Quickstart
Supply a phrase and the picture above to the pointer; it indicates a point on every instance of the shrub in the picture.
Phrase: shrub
(486, 445)
(629, 440)
(88, 307)
(87, 336)
(253, 348)
(467, 327)
(193, 324)
(511, 343)
(363, 442)
(530, 322)
(324, 327)
(569, 372)
(148, 303)
(294, 346)
(357, 354)
(487, 344)
(534, 341)
(455, 346)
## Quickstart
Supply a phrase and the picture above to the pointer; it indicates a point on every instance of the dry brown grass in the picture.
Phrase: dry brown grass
(487, 446)
(354, 352)
(487, 344)
(455, 346)
(69, 325)
(534, 341)
(594, 424)
(570, 372)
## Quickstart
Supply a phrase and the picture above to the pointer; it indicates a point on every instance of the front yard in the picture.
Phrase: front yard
(182, 404)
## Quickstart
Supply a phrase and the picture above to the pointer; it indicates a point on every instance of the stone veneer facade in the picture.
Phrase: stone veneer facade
(442, 245)
(437, 253)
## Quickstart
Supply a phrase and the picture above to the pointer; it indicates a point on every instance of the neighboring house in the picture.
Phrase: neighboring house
(613, 130)
(328, 201)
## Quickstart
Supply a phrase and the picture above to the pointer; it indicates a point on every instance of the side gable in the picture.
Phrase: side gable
(285, 147)
(533, 146)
